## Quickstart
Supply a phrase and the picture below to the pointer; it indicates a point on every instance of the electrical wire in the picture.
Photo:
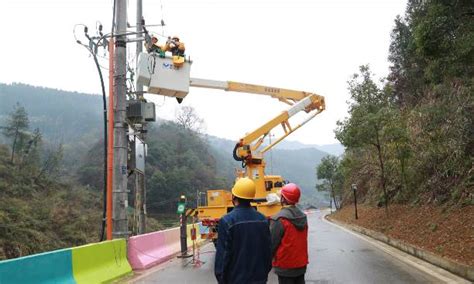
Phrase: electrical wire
(162, 22)
(104, 100)
(131, 84)
(75, 37)
(151, 63)
(97, 25)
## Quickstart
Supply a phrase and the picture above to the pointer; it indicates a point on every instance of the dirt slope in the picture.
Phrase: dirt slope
(448, 232)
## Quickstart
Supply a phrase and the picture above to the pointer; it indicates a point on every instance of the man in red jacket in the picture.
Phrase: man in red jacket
(289, 232)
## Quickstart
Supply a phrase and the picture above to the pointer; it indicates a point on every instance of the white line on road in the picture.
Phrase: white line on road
(428, 268)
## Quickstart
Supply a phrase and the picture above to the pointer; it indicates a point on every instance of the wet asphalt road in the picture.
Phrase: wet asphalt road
(335, 256)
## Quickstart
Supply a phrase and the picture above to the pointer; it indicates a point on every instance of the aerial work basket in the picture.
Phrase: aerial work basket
(162, 76)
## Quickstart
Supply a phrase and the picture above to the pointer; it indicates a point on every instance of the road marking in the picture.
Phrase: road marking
(428, 268)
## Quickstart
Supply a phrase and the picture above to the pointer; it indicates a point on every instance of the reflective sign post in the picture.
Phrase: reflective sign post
(183, 226)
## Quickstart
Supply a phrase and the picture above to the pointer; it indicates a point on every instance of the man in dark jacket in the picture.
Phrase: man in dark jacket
(289, 230)
(243, 251)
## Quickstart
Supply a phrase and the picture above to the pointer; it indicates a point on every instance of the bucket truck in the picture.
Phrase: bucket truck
(162, 77)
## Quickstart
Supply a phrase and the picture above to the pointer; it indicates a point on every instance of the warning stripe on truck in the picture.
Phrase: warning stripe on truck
(191, 212)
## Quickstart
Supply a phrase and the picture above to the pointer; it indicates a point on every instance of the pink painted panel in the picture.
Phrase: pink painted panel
(151, 249)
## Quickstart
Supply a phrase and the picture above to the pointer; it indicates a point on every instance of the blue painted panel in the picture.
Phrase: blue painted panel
(50, 267)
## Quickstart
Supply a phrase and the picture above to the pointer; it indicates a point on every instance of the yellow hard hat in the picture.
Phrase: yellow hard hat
(244, 188)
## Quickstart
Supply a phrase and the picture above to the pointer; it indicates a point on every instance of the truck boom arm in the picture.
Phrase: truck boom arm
(299, 101)
(285, 95)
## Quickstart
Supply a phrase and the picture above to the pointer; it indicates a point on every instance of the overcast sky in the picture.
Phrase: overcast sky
(312, 46)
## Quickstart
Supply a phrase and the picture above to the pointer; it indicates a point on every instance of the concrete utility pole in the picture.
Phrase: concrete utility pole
(140, 189)
(139, 30)
(120, 193)
(140, 186)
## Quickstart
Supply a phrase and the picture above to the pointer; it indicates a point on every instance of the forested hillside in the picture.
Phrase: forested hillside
(61, 116)
(410, 137)
(74, 120)
(40, 208)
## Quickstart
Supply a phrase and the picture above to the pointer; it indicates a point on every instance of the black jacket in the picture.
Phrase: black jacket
(243, 251)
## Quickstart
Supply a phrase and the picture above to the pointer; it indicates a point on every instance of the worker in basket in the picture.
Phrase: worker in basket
(243, 243)
(177, 49)
(152, 46)
(175, 46)
(289, 230)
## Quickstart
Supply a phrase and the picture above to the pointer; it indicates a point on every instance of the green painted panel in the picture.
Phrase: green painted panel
(100, 262)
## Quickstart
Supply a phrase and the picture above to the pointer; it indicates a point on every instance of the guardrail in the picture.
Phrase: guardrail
(49, 267)
(100, 262)
(97, 262)
(145, 251)
(93, 263)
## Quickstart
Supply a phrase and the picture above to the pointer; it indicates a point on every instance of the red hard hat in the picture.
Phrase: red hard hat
(291, 192)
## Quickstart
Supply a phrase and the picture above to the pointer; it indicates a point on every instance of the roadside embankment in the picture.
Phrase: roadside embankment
(444, 232)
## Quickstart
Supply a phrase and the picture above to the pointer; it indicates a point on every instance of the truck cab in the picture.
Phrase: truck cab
(219, 203)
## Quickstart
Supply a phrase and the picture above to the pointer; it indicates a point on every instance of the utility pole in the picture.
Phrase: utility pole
(120, 193)
(139, 30)
(140, 190)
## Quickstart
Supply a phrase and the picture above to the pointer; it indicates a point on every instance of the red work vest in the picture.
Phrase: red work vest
(293, 249)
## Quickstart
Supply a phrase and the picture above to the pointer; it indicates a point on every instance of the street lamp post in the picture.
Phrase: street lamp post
(354, 188)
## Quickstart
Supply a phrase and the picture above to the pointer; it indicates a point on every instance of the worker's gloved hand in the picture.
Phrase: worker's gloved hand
(272, 198)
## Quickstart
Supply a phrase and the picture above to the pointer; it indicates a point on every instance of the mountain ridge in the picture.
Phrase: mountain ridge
(75, 119)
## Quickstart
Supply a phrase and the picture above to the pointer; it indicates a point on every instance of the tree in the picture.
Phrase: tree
(329, 171)
(179, 162)
(433, 43)
(17, 124)
(406, 73)
(31, 154)
(367, 126)
(413, 136)
(187, 118)
(51, 164)
(431, 53)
